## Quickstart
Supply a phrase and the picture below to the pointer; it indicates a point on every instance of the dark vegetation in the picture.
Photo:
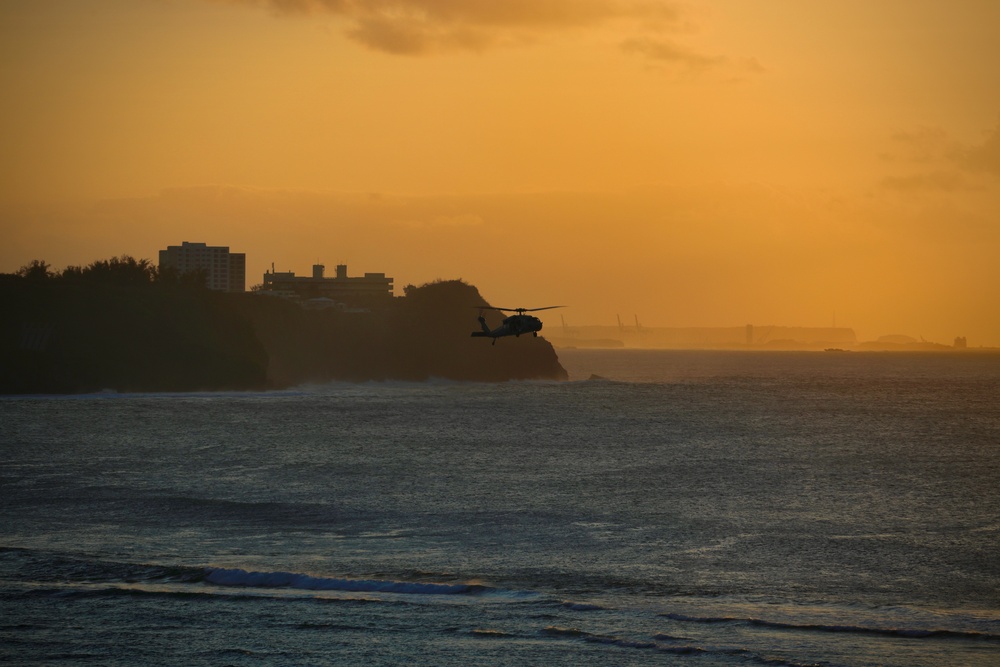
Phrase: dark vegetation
(122, 324)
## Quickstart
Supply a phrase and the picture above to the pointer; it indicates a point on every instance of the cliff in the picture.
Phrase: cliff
(69, 336)
(422, 335)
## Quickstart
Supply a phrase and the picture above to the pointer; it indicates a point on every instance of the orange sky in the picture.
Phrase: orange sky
(697, 163)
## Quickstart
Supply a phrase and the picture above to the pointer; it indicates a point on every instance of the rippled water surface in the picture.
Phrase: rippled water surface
(696, 508)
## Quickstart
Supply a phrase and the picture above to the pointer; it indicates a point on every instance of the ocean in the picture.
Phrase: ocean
(659, 508)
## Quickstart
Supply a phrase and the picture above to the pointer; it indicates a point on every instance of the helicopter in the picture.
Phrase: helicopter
(513, 325)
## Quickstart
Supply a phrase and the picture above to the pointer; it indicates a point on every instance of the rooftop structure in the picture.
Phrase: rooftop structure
(368, 289)
(224, 271)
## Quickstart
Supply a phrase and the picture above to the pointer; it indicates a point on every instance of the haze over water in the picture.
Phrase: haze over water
(702, 508)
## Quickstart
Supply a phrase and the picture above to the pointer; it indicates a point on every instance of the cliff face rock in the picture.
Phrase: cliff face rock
(61, 337)
(436, 321)
(420, 336)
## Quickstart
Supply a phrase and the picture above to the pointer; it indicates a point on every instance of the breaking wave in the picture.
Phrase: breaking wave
(69, 572)
(237, 577)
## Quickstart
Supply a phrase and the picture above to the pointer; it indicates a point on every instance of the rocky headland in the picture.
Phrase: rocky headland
(124, 327)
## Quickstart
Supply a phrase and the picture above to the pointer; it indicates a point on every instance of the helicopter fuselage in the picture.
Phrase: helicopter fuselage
(519, 324)
(512, 325)
(515, 325)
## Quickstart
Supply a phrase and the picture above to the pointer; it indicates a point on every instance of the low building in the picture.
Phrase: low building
(224, 271)
(369, 289)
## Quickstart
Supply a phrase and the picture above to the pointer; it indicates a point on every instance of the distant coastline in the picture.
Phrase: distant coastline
(784, 338)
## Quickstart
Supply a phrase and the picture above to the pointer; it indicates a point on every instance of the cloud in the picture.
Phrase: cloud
(416, 37)
(660, 52)
(935, 161)
(543, 13)
(948, 181)
(986, 157)
(924, 145)
(667, 51)
(423, 27)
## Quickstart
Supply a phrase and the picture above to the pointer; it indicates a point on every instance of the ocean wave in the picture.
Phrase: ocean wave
(669, 644)
(612, 640)
(42, 566)
(114, 394)
(582, 606)
(156, 591)
(66, 570)
(559, 631)
(622, 642)
(489, 633)
(242, 578)
(656, 644)
(907, 633)
(120, 592)
(342, 387)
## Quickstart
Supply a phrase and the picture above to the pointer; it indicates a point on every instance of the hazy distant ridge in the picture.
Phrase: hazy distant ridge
(756, 337)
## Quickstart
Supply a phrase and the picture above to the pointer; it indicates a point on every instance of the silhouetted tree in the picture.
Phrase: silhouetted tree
(72, 274)
(194, 279)
(35, 270)
(166, 275)
(124, 270)
(110, 324)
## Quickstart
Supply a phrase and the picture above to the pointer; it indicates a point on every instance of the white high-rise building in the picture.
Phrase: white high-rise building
(224, 271)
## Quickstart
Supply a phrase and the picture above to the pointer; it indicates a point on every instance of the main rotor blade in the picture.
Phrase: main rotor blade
(517, 310)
